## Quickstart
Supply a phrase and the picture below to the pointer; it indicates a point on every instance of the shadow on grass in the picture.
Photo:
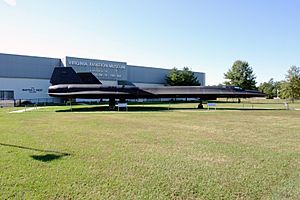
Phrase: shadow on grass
(246, 109)
(50, 156)
(133, 108)
(47, 157)
(130, 109)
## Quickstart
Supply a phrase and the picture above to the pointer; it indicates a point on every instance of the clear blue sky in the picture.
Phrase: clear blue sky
(204, 35)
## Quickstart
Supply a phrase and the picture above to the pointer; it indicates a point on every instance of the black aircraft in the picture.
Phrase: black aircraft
(68, 84)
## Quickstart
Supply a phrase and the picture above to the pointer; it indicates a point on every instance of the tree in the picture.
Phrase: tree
(241, 75)
(270, 88)
(291, 86)
(183, 77)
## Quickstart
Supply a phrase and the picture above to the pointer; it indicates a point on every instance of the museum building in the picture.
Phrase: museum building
(28, 77)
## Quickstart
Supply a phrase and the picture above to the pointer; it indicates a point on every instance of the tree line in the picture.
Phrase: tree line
(184, 77)
(285, 89)
(241, 75)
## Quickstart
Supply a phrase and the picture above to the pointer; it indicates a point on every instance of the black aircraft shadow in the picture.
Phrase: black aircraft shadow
(130, 108)
(246, 109)
(148, 108)
(49, 156)
(106, 108)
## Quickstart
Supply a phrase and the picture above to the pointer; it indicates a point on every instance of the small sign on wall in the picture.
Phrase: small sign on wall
(32, 90)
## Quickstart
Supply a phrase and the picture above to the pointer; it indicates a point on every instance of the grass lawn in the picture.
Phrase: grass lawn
(177, 154)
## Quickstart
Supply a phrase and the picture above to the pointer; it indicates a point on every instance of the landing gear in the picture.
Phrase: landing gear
(112, 104)
(200, 105)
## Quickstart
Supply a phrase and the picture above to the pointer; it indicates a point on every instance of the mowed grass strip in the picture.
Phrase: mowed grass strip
(150, 155)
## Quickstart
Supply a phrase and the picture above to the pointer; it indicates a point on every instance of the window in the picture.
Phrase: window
(6, 95)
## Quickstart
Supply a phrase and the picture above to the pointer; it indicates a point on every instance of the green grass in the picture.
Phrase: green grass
(158, 153)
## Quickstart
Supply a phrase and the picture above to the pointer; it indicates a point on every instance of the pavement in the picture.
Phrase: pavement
(26, 109)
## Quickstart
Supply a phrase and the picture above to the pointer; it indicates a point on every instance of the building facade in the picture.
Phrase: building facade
(28, 77)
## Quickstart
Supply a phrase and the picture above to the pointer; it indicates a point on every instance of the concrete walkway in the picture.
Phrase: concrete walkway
(26, 109)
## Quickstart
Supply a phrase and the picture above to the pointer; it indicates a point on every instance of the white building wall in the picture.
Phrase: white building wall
(109, 83)
(147, 85)
(27, 89)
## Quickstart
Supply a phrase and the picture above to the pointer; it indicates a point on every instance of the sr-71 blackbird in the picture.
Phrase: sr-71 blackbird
(68, 84)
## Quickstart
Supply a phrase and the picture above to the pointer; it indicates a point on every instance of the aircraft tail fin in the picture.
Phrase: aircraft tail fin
(67, 75)
(64, 75)
(88, 78)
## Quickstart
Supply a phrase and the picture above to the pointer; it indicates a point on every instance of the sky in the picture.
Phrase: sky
(206, 36)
